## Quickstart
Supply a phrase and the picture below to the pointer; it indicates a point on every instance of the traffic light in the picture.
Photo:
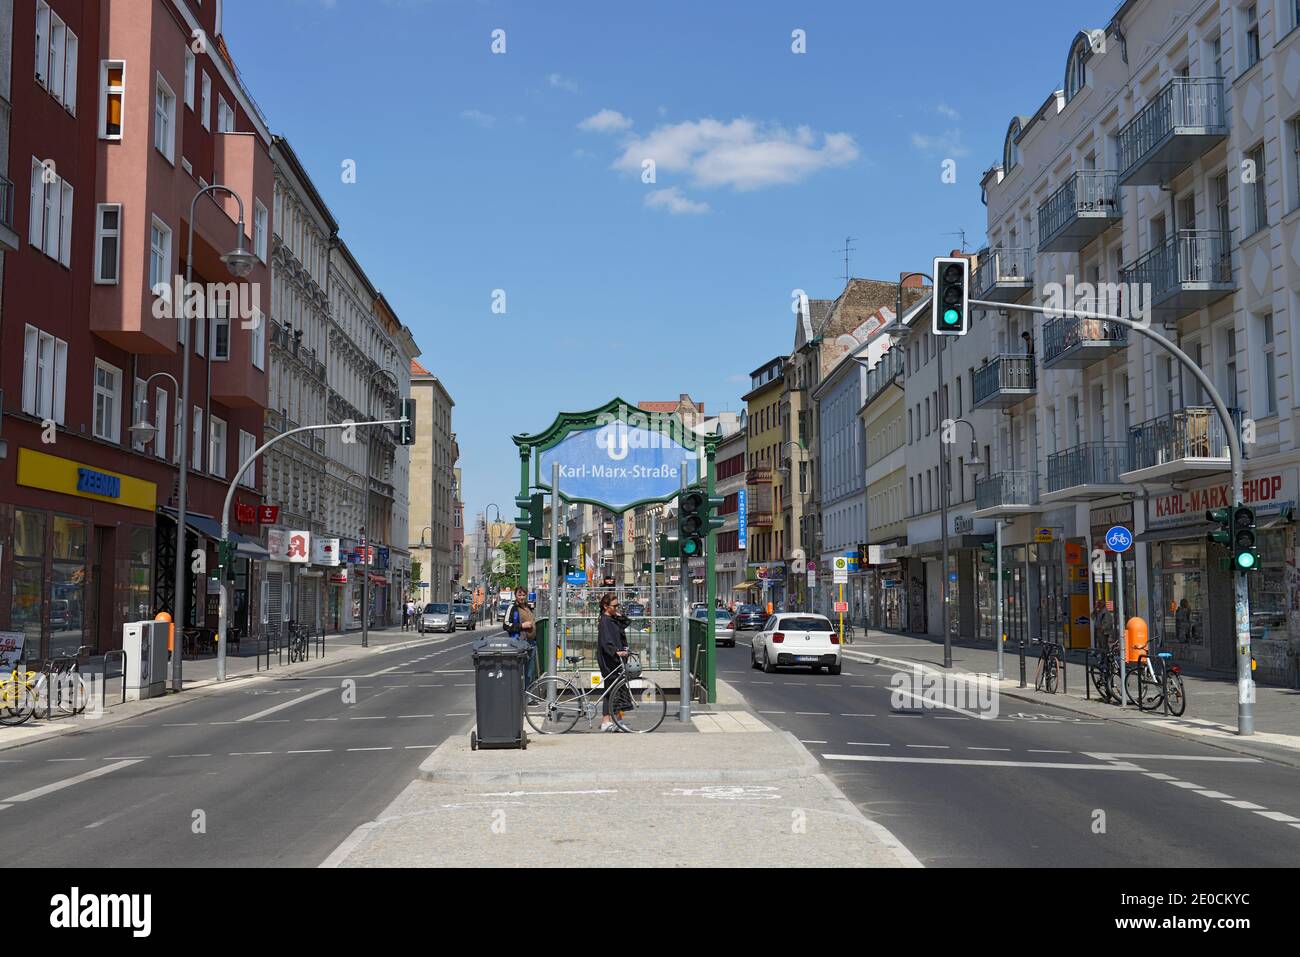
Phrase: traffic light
(668, 546)
(532, 523)
(695, 519)
(226, 560)
(988, 553)
(1245, 556)
(1223, 534)
(950, 301)
(406, 431)
(566, 549)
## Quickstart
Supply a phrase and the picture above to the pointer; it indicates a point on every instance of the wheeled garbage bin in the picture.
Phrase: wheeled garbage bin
(499, 692)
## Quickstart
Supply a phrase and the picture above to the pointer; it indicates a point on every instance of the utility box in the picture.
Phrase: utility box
(145, 644)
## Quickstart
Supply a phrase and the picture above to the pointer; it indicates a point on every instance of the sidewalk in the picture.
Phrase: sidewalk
(729, 792)
(1211, 699)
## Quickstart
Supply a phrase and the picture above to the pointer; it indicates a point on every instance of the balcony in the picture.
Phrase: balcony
(1070, 343)
(1004, 275)
(1086, 472)
(1177, 127)
(8, 238)
(758, 519)
(1186, 444)
(1008, 493)
(883, 374)
(1004, 382)
(759, 475)
(1084, 207)
(1188, 272)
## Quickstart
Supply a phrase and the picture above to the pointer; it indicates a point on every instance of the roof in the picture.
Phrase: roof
(657, 406)
(417, 369)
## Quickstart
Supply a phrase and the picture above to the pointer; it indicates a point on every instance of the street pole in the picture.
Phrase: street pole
(555, 565)
(684, 604)
(1119, 618)
(998, 637)
(1241, 588)
(365, 585)
(654, 591)
(943, 510)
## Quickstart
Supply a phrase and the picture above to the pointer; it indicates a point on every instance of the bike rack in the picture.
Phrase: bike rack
(121, 673)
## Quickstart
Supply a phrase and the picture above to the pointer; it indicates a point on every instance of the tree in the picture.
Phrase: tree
(417, 569)
(502, 571)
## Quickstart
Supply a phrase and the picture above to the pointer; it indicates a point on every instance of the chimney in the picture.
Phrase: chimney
(910, 282)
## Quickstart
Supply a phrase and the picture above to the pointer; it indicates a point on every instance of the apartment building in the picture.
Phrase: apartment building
(1163, 169)
(431, 482)
(766, 564)
(732, 538)
(123, 121)
(460, 575)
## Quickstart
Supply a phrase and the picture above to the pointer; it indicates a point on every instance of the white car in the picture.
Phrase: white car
(723, 633)
(796, 640)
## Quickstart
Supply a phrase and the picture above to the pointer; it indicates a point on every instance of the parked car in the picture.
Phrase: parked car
(796, 640)
(723, 634)
(437, 616)
(464, 617)
(502, 608)
(750, 618)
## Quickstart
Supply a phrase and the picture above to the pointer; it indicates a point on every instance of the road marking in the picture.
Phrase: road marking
(941, 747)
(384, 671)
(286, 704)
(370, 749)
(312, 751)
(320, 719)
(819, 714)
(187, 724)
(417, 716)
(457, 714)
(189, 755)
(223, 722)
(128, 757)
(1187, 785)
(511, 794)
(852, 715)
(1044, 751)
(3, 806)
(1048, 765)
(373, 717)
(69, 782)
(771, 712)
(1107, 756)
(244, 754)
(1246, 805)
(1217, 795)
(869, 744)
(1278, 816)
(275, 721)
(1158, 776)
(54, 760)
(806, 741)
(987, 749)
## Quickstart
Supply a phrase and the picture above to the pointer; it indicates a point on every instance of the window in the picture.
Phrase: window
(36, 204)
(221, 330)
(1252, 36)
(42, 42)
(225, 116)
(189, 78)
(164, 119)
(49, 220)
(1270, 365)
(108, 243)
(1257, 195)
(71, 47)
(160, 262)
(177, 434)
(45, 368)
(259, 229)
(112, 87)
(56, 63)
(205, 101)
(217, 449)
(1293, 167)
(196, 438)
(247, 446)
(1232, 394)
(53, 199)
(108, 389)
(65, 223)
(258, 339)
(160, 423)
(137, 412)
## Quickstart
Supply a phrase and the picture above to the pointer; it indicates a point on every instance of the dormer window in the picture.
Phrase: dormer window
(1011, 149)
(1076, 76)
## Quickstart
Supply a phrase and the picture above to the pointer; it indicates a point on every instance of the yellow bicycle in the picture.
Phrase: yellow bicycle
(18, 695)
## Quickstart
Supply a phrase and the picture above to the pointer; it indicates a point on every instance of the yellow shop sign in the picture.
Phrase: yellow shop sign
(53, 474)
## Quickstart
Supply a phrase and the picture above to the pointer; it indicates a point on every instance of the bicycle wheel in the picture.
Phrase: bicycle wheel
(1177, 695)
(1051, 673)
(638, 705)
(17, 703)
(552, 705)
(1150, 694)
(1040, 673)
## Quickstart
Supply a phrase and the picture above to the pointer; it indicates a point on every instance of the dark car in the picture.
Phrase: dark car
(750, 618)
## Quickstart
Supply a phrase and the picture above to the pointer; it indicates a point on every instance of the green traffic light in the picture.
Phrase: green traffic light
(690, 547)
(951, 317)
(1245, 560)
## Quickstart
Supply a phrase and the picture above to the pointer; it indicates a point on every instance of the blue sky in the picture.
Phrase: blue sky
(522, 172)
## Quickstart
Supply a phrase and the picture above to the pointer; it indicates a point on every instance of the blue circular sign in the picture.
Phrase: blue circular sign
(1119, 538)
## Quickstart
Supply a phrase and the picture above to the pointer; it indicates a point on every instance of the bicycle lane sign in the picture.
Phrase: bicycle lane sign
(1119, 538)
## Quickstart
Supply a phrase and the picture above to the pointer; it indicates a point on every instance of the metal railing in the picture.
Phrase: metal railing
(1004, 373)
(884, 373)
(1016, 487)
(1093, 463)
(1066, 332)
(1191, 433)
(1192, 256)
(654, 640)
(1086, 191)
(1004, 265)
(1184, 101)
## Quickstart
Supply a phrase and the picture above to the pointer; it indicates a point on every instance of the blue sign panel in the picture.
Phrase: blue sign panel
(742, 510)
(576, 578)
(618, 465)
(1119, 538)
(97, 483)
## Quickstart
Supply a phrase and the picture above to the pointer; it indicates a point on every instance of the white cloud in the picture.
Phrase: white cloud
(741, 154)
(606, 121)
(562, 83)
(675, 202)
(945, 110)
(947, 143)
(478, 117)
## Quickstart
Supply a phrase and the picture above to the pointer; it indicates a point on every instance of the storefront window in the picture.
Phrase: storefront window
(27, 589)
(141, 587)
(1268, 585)
(1181, 601)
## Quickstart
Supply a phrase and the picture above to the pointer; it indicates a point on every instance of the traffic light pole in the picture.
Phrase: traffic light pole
(555, 568)
(684, 600)
(998, 567)
(1241, 588)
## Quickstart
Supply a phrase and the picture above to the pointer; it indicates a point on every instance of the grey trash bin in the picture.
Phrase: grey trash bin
(499, 692)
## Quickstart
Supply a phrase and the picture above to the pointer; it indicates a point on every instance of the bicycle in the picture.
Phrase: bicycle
(297, 643)
(1156, 678)
(1103, 672)
(71, 688)
(18, 695)
(1051, 662)
(554, 703)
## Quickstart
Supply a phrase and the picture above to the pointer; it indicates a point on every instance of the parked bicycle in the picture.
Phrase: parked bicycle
(18, 694)
(554, 703)
(1051, 665)
(297, 642)
(1104, 672)
(1154, 679)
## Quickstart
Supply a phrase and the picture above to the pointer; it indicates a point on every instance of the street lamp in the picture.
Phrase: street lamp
(239, 262)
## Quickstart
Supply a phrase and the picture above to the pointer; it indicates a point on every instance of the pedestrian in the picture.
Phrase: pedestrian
(1103, 625)
(521, 623)
(611, 652)
(1183, 622)
(1029, 342)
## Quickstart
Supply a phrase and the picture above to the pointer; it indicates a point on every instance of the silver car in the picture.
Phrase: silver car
(723, 633)
(437, 616)
(464, 617)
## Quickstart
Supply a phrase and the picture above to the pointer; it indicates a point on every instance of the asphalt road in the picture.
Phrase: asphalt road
(277, 773)
(1033, 787)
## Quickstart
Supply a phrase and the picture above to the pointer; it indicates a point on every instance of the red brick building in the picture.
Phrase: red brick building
(121, 113)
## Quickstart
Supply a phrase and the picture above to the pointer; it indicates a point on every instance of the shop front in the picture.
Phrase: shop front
(771, 588)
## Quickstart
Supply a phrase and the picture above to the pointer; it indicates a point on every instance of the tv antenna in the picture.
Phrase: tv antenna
(962, 234)
(848, 248)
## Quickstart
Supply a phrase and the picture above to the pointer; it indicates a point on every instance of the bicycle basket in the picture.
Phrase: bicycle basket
(632, 666)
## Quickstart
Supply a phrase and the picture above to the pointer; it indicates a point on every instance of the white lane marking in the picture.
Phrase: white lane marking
(511, 794)
(127, 757)
(1187, 785)
(1107, 756)
(940, 747)
(3, 806)
(55, 760)
(1044, 751)
(1158, 776)
(1246, 805)
(244, 754)
(383, 671)
(457, 714)
(417, 716)
(1279, 816)
(184, 724)
(987, 749)
(851, 715)
(312, 751)
(821, 714)
(869, 744)
(69, 782)
(223, 722)
(190, 755)
(771, 712)
(286, 704)
(372, 717)
(806, 741)
(1052, 765)
(274, 721)
(320, 719)
(951, 717)
(1217, 795)
(370, 749)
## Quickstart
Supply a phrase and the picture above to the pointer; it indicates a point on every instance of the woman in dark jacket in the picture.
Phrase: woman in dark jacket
(611, 649)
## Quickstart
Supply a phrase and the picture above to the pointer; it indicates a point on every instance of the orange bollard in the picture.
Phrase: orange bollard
(1135, 639)
(171, 632)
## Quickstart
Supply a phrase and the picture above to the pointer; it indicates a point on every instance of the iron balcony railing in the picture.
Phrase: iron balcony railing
(1093, 463)
(1201, 256)
(1005, 373)
(6, 202)
(1184, 102)
(1016, 487)
(884, 373)
(1004, 264)
(1087, 191)
(1191, 433)
(1065, 332)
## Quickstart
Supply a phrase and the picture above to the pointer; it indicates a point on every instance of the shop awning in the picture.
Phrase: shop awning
(1197, 532)
(747, 585)
(211, 528)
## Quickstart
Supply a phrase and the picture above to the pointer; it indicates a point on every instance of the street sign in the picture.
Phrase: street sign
(576, 578)
(841, 606)
(812, 579)
(890, 583)
(812, 566)
(1119, 539)
(841, 570)
(1043, 535)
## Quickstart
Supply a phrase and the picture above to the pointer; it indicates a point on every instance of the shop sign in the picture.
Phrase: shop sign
(245, 514)
(1269, 494)
(49, 473)
(288, 546)
(268, 514)
(324, 551)
(102, 484)
(11, 648)
(1111, 515)
(962, 525)
(339, 576)
(1043, 535)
